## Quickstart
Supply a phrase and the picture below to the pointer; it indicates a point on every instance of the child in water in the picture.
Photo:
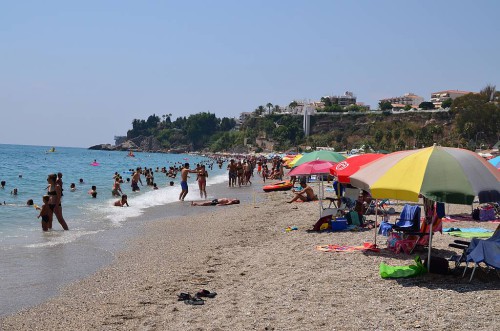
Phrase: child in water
(93, 191)
(45, 213)
(72, 187)
(122, 202)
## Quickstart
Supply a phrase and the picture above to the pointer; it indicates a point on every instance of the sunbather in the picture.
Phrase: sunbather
(216, 202)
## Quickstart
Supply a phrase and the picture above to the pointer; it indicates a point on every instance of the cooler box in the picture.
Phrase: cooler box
(338, 224)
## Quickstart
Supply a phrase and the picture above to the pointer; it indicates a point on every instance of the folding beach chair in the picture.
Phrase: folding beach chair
(458, 259)
(404, 234)
(422, 237)
(347, 201)
(484, 251)
(409, 220)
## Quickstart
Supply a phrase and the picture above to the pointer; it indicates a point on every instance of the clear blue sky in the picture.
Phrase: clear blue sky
(75, 73)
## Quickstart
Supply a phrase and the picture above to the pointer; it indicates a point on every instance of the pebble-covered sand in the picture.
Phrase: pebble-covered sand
(266, 279)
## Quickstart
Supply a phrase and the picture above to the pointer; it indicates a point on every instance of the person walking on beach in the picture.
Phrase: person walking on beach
(54, 192)
(184, 186)
(232, 173)
(202, 181)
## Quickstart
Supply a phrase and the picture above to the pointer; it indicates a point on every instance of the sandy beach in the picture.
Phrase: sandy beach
(266, 279)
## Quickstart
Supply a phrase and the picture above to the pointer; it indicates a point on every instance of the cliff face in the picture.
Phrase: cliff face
(346, 123)
(354, 128)
(141, 143)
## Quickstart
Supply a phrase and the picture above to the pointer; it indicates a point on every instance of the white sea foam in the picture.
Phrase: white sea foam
(54, 238)
(143, 200)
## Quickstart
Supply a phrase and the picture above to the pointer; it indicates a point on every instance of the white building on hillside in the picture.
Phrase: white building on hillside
(437, 98)
(409, 99)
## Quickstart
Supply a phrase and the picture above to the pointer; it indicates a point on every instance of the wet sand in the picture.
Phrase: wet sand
(266, 279)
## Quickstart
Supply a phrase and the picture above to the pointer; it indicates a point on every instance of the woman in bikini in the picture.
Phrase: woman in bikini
(202, 181)
(54, 192)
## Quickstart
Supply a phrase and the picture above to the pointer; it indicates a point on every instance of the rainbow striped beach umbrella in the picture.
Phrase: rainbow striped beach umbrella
(496, 162)
(321, 156)
(441, 174)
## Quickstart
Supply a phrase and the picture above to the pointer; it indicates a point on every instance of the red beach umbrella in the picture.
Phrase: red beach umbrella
(316, 167)
(344, 169)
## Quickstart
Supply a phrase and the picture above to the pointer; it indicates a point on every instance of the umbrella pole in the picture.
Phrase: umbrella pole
(429, 251)
(320, 200)
(376, 220)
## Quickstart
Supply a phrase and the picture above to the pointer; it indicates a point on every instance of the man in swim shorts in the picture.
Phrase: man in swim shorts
(136, 178)
(306, 194)
(184, 186)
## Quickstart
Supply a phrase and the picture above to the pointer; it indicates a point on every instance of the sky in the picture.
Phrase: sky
(77, 73)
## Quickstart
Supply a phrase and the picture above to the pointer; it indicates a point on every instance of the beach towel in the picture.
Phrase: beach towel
(385, 228)
(464, 217)
(341, 248)
(387, 271)
(466, 230)
(471, 234)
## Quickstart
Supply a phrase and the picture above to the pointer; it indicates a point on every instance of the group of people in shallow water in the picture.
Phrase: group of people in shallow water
(52, 204)
(240, 172)
(52, 201)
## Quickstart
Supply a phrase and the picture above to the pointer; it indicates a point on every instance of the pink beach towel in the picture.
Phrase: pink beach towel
(341, 248)
(464, 218)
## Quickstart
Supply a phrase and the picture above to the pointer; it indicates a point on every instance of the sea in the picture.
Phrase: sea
(35, 265)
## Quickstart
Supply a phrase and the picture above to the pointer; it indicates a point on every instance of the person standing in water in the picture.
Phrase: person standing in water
(136, 178)
(184, 186)
(54, 192)
(60, 182)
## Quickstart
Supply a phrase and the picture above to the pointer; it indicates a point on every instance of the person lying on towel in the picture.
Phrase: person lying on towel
(305, 195)
(216, 202)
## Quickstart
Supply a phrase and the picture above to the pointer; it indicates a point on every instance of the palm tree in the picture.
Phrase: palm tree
(269, 106)
(260, 110)
(277, 109)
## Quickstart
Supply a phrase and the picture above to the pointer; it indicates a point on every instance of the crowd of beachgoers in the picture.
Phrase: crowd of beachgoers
(254, 266)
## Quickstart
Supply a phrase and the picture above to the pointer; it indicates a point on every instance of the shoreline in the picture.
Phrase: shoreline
(265, 279)
(56, 266)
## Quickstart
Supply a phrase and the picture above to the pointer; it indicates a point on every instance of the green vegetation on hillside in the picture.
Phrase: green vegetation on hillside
(473, 120)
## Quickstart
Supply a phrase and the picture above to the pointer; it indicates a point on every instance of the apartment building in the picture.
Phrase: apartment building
(437, 98)
(407, 99)
(343, 100)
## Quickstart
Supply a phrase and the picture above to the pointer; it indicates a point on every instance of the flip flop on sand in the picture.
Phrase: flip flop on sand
(184, 297)
(206, 293)
(194, 301)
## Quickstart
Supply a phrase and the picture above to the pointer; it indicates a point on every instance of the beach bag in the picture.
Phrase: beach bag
(487, 214)
(439, 265)
(353, 218)
(387, 271)
(475, 214)
(323, 223)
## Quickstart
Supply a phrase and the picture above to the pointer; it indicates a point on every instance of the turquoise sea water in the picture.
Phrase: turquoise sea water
(34, 261)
